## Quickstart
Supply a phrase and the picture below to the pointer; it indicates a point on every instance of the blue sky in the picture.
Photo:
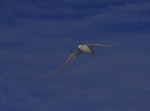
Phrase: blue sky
(36, 37)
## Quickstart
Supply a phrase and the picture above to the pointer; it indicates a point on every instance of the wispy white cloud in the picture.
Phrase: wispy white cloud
(60, 9)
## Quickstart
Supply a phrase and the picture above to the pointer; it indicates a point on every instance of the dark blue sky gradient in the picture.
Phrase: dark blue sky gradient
(36, 37)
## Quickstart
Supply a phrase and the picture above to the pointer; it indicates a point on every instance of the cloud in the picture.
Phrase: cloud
(58, 9)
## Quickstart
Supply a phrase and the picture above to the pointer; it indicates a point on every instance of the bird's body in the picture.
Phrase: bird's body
(86, 49)
(81, 49)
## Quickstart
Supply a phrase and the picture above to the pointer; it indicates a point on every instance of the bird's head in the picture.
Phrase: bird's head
(79, 46)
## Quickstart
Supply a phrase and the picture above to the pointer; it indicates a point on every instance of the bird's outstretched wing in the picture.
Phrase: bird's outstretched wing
(99, 45)
(71, 58)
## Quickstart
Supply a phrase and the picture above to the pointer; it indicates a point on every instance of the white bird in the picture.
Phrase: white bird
(87, 49)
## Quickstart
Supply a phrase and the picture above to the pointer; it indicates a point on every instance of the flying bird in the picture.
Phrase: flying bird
(87, 49)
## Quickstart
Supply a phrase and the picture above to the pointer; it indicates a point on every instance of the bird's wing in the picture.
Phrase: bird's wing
(70, 58)
(98, 45)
